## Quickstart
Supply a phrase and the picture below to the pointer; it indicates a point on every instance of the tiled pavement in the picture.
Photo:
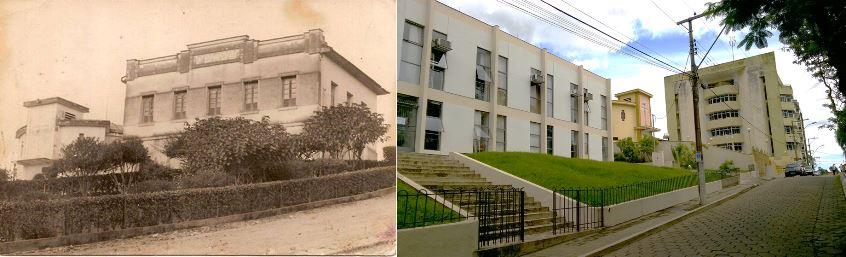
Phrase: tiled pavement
(800, 216)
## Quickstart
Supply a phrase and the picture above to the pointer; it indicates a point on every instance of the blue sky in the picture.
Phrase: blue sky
(650, 26)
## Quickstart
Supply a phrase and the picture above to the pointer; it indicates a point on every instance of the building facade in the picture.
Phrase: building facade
(744, 106)
(632, 115)
(467, 86)
(286, 79)
(51, 124)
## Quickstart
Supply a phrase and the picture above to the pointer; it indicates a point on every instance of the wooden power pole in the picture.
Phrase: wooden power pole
(694, 77)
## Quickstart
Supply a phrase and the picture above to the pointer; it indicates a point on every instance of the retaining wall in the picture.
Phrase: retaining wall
(619, 213)
(458, 239)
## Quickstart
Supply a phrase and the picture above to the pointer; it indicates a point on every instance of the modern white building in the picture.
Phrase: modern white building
(286, 79)
(467, 86)
(51, 124)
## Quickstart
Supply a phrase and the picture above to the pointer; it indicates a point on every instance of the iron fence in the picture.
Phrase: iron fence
(577, 209)
(500, 212)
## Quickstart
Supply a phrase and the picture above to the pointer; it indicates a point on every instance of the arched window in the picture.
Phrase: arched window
(623, 115)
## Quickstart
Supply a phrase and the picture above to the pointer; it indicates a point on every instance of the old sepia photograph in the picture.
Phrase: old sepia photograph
(197, 127)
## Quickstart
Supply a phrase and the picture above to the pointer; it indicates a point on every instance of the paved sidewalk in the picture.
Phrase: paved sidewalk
(606, 237)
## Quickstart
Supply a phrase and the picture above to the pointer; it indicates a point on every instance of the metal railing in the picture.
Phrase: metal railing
(578, 209)
(500, 212)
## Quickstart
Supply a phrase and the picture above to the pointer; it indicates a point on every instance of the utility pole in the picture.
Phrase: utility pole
(694, 77)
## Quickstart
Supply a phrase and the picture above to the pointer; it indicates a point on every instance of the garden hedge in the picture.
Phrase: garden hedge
(43, 219)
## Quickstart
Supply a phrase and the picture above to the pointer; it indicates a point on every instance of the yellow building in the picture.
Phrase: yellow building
(632, 114)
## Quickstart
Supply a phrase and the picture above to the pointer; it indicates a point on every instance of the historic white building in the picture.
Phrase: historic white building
(286, 79)
(467, 86)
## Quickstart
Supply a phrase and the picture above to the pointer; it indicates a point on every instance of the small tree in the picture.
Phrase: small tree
(123, 157)
(628, 150)
(342, 129)
(728, 167)
(646, 146)
(684, 156)
(83, 157)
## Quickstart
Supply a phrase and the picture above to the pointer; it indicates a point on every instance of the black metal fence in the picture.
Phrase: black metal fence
(578, 209)
(500, 212)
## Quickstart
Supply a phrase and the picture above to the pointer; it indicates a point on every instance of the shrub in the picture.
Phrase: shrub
(636, 152)
(684, 156)
(728, 167)
(153, 185)
(205, 179)
(40, 219)
(390, 153)
(343, 129)
(244, 148)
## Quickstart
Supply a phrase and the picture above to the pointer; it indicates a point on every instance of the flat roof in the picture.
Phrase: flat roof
(636, 90)
(56, 100)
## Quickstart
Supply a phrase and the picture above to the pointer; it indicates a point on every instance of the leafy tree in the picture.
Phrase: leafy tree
(813, 29)
(344, 129)
(684, 156)
(124, 156)
(247, 149)
(636, 152)
(646, 146)
(83, 157)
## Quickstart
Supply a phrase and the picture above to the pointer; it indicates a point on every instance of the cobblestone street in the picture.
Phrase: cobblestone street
(800, 216)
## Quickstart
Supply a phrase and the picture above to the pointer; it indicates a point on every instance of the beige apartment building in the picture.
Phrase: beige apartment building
(467, 86)
(285, 79)
(632, 114)
(51, 124)
(744, 106)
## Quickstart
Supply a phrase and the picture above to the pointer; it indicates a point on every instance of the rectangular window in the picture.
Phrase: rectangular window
(332, 93)
(251, 95)
(534, 137)
(723, 131)
(434, 126)
(69, 116)
(483, 73)
(534, 93)
(179, 104)
(214, 100)
(587, 110)
(289, 91)
(723, 115)
(587, 146)
(604, 110)
(412, 53)
(549, 139)
(349, 98)
(436, 75)
(550, 106)
(604, 148)
(574, 144)
(788, 129)
(791, 146)
(147, 109)
(502, 81)
(481, 132)
(736, 146)
(722, 98)
(500, 133)
(574, 103)
(788, 113)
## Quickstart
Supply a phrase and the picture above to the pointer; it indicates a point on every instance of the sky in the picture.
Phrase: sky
(650, 25)
(78, 49)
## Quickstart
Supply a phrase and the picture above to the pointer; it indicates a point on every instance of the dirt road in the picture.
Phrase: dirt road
(364, 227)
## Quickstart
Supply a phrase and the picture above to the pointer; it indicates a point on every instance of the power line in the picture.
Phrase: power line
(587, 35)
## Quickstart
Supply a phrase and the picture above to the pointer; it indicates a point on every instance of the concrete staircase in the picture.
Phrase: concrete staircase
(438, 172)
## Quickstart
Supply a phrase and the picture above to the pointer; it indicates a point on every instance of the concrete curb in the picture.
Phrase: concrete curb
(41, 243)
(654, 229)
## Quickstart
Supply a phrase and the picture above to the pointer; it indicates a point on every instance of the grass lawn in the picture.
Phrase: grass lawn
(555, 172)
(415, 210)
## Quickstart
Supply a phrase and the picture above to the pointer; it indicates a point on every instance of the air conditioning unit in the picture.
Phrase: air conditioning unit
(441, 44)
(588, 96)
(536, 78)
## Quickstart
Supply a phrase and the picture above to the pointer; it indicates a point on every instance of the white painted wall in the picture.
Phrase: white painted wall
(458, 128)
(518, 135)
